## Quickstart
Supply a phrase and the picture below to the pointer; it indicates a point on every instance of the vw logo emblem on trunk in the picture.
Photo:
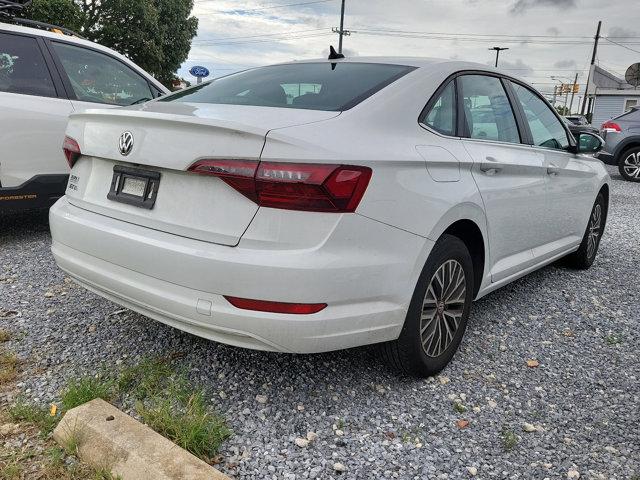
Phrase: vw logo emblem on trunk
(126, 143)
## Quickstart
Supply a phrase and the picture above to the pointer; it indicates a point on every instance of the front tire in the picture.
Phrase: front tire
(584, 257)
(438, 312)
(629, 165)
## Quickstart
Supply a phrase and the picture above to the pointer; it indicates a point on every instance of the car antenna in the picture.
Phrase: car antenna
(333, 55)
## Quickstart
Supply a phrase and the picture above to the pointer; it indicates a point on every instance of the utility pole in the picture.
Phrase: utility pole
(341, 31)
(498, 50)
(573, 92)
(593, 61)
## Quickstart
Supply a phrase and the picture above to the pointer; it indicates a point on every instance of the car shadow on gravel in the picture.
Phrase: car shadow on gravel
(16, 225)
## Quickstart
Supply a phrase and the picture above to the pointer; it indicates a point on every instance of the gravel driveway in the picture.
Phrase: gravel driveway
(582, 402)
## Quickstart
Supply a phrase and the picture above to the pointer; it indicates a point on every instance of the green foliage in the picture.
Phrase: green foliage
(155, 34)
(458, 407)
(187, 422)
(64, 13)
(84, 390)
(509, 439)
(40, 417)
(168, 403)
(562, 110)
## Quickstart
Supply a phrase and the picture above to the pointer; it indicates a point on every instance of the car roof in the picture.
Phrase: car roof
(440, 64)
(7, 27)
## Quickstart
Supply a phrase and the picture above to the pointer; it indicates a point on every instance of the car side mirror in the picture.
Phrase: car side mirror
(589, 143)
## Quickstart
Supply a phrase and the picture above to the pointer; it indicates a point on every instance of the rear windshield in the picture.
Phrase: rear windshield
(313, 86)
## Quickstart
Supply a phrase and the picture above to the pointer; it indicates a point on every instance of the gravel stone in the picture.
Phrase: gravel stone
(581, 325)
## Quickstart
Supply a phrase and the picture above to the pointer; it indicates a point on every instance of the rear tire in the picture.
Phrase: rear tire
(584, 257)
(438, 312)
(629, 164)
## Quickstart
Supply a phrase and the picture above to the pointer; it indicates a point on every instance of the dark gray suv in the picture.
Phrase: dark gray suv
(622, 144)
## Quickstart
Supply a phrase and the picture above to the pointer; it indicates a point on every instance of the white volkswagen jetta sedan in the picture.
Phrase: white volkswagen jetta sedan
(322, 205)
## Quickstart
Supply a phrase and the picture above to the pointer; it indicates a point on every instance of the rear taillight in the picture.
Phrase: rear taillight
(610, 127)
(71, 150)
(276, 307)
(292, 186)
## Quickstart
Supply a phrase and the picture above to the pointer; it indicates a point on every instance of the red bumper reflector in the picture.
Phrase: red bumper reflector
(276, 307)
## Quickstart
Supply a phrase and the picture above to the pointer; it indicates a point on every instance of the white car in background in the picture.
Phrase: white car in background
(45, 76)
(322, 205)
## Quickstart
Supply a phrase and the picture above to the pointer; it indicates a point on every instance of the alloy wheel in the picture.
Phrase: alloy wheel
(632, 165)
(595, 223)
(442, 308)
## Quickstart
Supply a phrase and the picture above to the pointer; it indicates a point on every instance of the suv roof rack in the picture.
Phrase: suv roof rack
(10, 8)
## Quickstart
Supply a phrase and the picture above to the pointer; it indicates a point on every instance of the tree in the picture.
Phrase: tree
(64, 13)
(155, 34)
(562, 110)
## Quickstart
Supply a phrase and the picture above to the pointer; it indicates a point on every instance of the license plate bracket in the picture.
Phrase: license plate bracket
(134, 186)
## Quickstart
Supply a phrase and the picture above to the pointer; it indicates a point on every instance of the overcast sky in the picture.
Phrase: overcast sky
(545, 37)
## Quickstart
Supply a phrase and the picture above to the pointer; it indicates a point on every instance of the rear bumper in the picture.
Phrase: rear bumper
(181, 282)
(41, 191)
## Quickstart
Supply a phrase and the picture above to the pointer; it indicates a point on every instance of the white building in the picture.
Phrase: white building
(609, 96)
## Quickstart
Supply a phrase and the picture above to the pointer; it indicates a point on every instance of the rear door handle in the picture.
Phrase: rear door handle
(491, 166)
(553, 170)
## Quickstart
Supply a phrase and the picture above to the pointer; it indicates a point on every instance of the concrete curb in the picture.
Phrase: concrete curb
(109, 439)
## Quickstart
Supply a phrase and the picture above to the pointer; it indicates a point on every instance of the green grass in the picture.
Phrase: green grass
(458, 407)
(164, 398)
(84, 390)
(145, 379)
(613, 339)
(188, 422)
(4, 335)
(509, 439)
(40, 417)
(11, 471)
(8, 367)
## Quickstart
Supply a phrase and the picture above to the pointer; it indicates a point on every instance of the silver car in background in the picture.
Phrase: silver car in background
(622, 144)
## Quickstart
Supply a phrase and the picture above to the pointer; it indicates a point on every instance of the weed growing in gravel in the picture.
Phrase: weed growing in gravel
(145, 379)
(613, 339)
(458, 407)
(164, 399)
(11, 471)
(168, 403)
(24, 412)
(4, 335)
(8, 367)
(84, 390)
(188, 422)
(509, 439)
(58, 468)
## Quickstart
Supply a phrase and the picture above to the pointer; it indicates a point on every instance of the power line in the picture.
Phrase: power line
(266, 40)
(258, 36)
(620, 45)
(284, 5)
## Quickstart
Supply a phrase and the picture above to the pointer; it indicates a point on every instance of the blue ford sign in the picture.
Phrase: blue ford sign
(200, 72)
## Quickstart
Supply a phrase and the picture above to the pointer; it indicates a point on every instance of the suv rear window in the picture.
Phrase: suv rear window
(22, 67)
(312, 86)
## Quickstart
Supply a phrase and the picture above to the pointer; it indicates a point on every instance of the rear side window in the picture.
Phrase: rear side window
(487, 111)
(22, 67)
(96, 77)
(312, 86)
(441, 116)
(546, 129)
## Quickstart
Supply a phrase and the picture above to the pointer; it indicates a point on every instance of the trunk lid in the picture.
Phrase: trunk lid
(168, 138)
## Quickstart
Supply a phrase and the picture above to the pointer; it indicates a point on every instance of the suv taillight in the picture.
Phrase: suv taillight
(610, 127)
(310, 187)
(71, 150)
